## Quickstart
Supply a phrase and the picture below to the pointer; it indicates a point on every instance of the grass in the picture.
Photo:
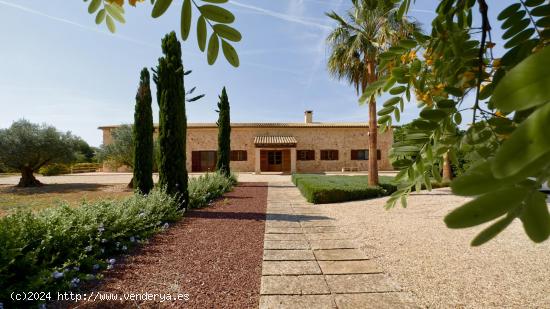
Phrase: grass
(321, 189)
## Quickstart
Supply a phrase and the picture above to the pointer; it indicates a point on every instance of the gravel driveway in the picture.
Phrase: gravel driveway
(438, 265)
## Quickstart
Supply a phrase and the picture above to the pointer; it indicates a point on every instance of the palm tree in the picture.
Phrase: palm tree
(355, 45)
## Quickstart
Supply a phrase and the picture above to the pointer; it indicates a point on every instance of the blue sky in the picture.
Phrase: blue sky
(58, 67)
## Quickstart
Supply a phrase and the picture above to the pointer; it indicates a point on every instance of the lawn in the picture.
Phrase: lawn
(321, 189)
(14, 198)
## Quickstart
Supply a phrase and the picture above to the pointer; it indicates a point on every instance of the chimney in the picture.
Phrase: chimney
(308, 116)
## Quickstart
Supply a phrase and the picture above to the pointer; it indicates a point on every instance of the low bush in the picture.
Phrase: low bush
(204, 188)
(54, 169)
(59, 248)
(321, 189)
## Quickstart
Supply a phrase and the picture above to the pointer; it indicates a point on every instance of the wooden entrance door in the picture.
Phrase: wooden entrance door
(275, 160)
(203, 161)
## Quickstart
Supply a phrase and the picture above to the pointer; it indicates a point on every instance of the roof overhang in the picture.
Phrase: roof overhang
(275, 141)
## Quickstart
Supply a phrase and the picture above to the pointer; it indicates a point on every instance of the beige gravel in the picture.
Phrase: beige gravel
(437, 264)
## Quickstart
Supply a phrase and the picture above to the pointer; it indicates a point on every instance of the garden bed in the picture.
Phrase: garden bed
(322, 189)
(214, 256)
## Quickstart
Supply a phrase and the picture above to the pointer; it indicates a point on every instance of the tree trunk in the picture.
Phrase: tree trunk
(131, 183)
(447, 169)
(373, 131)
(27, 178)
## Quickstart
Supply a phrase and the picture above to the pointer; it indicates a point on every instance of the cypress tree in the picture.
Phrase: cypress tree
(173, 122)
(224, 135)
(143, 136)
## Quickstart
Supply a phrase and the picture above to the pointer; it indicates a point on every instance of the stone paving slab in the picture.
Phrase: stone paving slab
(320, 229)
(286, 244)
(290, 268)
(318, 223)
(339, 255)
(362, 283)
(294, 285)
(295, 224)
(288, 255)
(297, 302)
(328, 236)
(349, 267)
(374, 300)
(332, 244)
(284, 237)
(283, 230)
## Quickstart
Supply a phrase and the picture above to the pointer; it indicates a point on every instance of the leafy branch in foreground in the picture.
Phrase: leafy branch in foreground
(211, 15)
(508, 98)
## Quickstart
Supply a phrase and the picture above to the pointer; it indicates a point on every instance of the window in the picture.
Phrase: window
(363, 154)
(329, 155)
(306, 155)
(274, 157)
(238, 155)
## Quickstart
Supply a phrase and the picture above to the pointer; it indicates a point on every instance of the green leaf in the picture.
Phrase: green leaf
(114, 12)
(543, 22)
(371, 90)
(543, 10)
(520, 38)
(492, 231)
(433, 114)
(384, 119)
(509, 11)
(532, 3)
(100, 17)
(478, 180)
(406, 149)
(201, 33)
(387, 56)
(398, 90)
(160, 7)
(454, 91)
(408, 44)
(424, 125)
(526, 85)
(186, 11)
(213, 48)
(110, 24)
(397, 114)
(94, 5)
(230, 54)
(535, 218)
(513, 20)
(486, 207)
(527, 144)
(217, 14)
(516, 28)
(215, 1)
(386, 110)
(227, 32)
(458, 118)
(392, 101)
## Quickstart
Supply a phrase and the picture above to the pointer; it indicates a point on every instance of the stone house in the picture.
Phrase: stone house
(308, 147)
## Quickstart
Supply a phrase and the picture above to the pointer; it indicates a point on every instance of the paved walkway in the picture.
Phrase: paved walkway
(311, 261)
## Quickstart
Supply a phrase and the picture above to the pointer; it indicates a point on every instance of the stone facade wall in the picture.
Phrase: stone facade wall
(314, 138)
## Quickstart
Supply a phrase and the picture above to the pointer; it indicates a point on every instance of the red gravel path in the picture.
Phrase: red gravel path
(214, 255)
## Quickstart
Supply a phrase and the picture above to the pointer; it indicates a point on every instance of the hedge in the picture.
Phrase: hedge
(322, 189)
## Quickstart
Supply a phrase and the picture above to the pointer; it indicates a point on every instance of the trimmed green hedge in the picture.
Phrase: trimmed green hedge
(59, 248)
(322, 189)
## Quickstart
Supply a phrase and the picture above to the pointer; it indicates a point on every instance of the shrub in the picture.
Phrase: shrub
(58, 248)
(54, 169)
(320, 189)
(206, 187)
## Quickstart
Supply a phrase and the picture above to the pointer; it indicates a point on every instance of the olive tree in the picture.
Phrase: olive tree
(26, 147)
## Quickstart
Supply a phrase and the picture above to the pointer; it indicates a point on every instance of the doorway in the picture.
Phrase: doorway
(203, 161)
(275, 160)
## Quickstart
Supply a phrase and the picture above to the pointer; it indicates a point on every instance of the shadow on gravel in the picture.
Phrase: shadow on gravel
(55, 188)
(252, 216)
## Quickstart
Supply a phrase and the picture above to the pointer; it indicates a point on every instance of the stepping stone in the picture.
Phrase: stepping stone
(288, 255)
(364, 283)
(332, 244)
(318, 223)
(282, 224)
(284, 237)
(374, 300)
(320, 229)
(293, 302)
(294, 285)
(290, 268)
(339, 255)
(349, 267)
(283, 230)
(329, 236)
(286, 244)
